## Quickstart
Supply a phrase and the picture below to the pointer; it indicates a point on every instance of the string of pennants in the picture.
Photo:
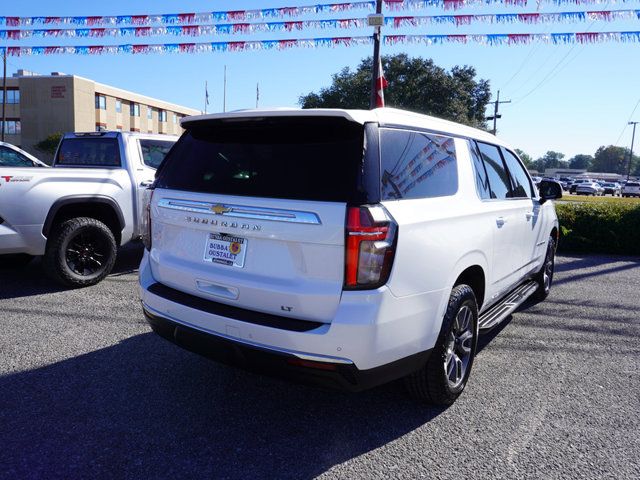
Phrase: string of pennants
(485, 39)
(267, 13)
(392, 22)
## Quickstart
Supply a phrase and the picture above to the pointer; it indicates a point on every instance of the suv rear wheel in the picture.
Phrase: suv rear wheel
(545, 276)
(445, 374)
(80, 252)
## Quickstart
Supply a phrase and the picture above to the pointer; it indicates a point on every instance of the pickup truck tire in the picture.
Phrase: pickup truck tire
(80, 252)
(545, 276)
(445, 374)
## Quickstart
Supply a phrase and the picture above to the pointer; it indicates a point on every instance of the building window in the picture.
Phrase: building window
(118, 105)
(12, 127)
(135, 109)
(150, 113)
(13, 96)
(176, 119)
(101, 102)
(162, 115)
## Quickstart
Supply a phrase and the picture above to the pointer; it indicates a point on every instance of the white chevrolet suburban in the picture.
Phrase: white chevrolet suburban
(347, 248)
(77, 213)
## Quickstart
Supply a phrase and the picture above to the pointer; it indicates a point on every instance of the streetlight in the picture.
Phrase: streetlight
(633, 137)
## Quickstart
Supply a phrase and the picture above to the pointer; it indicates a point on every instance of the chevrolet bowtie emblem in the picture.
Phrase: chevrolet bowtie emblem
(220, 209)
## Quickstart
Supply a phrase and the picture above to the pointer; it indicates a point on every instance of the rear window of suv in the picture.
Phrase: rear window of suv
(308, 158)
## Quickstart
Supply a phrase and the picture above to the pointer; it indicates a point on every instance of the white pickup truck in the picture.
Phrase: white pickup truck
(78, 213)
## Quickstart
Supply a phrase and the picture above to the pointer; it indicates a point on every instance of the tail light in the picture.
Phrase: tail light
(371, 236)
(145, 221)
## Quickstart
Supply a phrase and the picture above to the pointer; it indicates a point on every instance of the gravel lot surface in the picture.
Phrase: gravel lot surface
(86, 391)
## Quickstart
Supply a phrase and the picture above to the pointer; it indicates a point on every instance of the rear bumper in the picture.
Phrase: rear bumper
(374, 337)
(344, 376)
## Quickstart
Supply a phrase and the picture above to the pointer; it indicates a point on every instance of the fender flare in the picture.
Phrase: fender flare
(81, 199)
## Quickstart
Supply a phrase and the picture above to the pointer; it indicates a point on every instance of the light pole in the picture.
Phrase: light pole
(633, 137)
(376, 51)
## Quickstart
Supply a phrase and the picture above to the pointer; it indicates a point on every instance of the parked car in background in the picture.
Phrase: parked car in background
(612, 188)
(12, 156)
(77, 213)
(589, 188)
(631, 189)
(565, 182)
(578, 181)
(379, 257)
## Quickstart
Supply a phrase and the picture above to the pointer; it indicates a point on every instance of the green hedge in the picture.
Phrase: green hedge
(599, 227)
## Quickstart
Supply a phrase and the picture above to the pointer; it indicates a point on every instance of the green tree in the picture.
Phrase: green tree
(581, 161)
(49, 144)
(610, 159)
(415, 84)
(551, 159)
(526, 158)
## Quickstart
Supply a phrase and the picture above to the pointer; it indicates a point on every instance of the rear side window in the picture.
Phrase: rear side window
(482, 179)
(154, 151)
(497, 173)
(308, 158)
(89, 152)
(519, 178)
(11, 158)
(632, 184)
(417, 165)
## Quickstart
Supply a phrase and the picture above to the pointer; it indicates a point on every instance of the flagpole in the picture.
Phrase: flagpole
(224, 94)
(206, 97)
(376, 58)
(257, 94)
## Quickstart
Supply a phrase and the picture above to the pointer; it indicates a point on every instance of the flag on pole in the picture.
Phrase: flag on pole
(206, 93)
(257, 94)
(381, 84)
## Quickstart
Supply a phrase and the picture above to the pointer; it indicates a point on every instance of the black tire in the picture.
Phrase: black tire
(432, 383)
(80, 252)
(17, 260)
(546, 272)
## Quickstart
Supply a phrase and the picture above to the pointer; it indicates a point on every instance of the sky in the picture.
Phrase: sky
(566, 98)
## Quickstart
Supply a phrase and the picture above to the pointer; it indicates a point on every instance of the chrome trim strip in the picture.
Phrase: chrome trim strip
(240, 211)
(304, 356)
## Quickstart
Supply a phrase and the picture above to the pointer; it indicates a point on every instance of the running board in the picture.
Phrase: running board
(507, 306)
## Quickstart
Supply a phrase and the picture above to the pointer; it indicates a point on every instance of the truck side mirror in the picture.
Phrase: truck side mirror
(549, 190)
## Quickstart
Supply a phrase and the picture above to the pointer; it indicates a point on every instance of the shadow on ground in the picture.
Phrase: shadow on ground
(146, 409)
(31, 279)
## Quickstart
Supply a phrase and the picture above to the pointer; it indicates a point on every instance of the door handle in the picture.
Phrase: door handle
(146, 183)
(500, 221)
(529, 215)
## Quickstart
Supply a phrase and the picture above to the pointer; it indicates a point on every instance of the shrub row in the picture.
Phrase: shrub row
(606, 227)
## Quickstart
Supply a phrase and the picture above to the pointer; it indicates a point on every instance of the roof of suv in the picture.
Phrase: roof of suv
(383, 116)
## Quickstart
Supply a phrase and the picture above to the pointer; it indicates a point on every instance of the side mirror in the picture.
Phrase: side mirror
(549, 190)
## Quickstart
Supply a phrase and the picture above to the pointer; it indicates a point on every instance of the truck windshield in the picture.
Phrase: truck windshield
(89, 152)
(308, 158)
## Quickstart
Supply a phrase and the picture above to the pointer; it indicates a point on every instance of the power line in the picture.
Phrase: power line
(627, 124)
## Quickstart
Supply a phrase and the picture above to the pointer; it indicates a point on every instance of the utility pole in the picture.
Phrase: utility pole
(376, 52)
(633, 137)
(496, 116)
(224, 91)
(4, 91)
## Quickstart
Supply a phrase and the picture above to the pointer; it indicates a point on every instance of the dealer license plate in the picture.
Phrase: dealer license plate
(225, 249)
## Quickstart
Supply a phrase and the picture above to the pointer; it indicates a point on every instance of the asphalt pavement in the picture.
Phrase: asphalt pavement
(86, 391)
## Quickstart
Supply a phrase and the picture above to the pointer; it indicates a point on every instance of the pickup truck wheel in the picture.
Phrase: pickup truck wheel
(545, 276)
(80, 252)
(443, 378)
